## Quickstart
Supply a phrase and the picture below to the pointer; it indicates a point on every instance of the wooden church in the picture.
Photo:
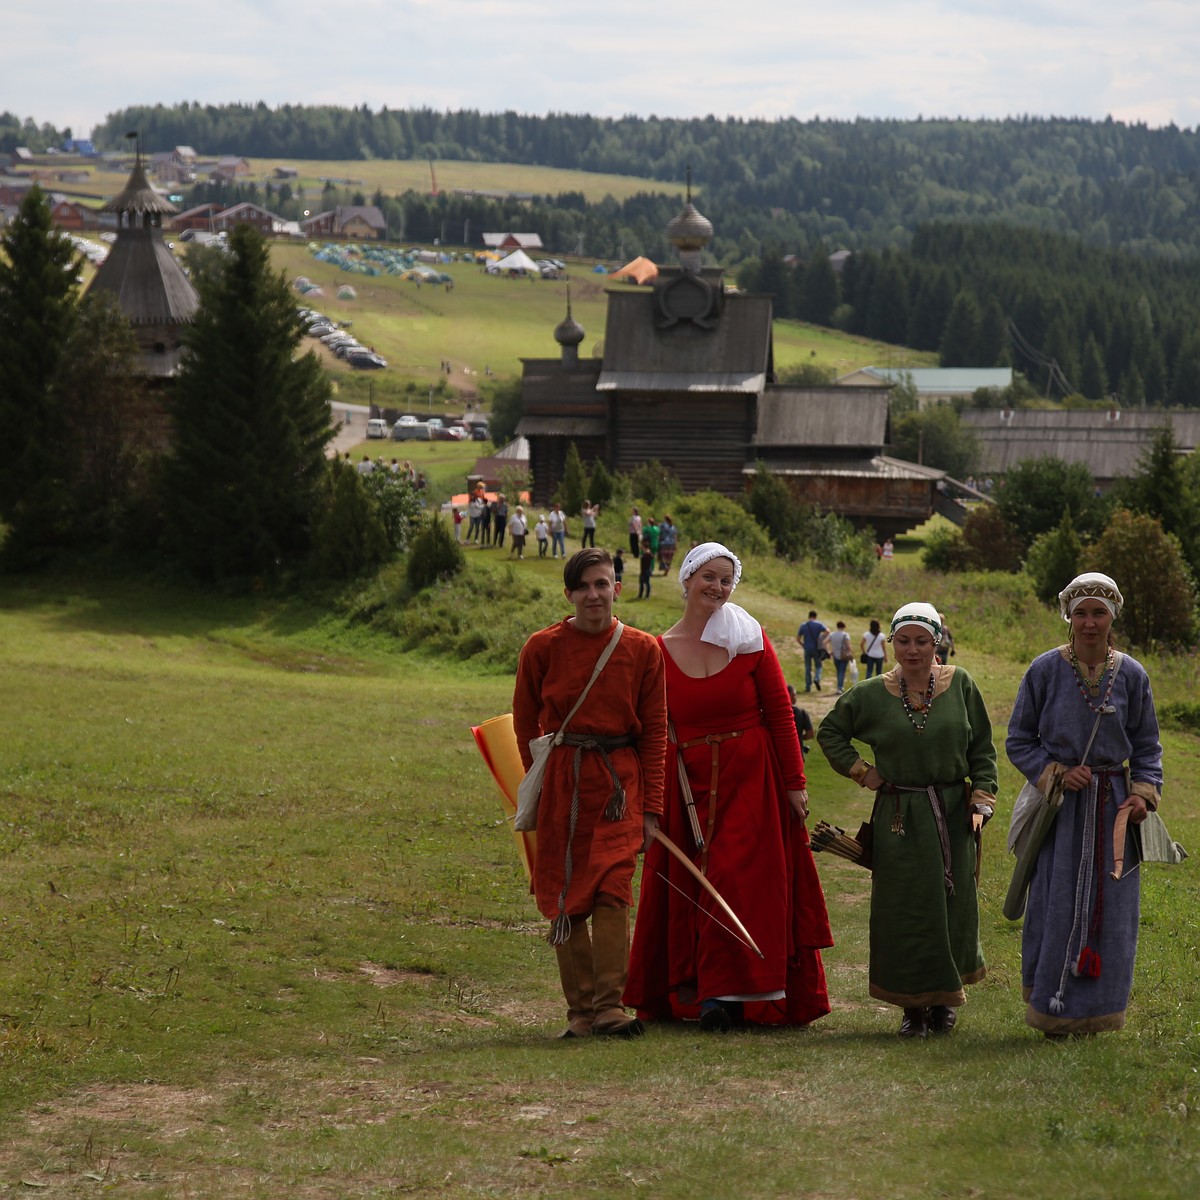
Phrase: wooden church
(687, 377)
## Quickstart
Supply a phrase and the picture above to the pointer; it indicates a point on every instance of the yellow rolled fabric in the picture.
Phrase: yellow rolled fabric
(498, 744)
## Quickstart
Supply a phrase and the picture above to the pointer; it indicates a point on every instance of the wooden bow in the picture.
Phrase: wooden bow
(691, 867)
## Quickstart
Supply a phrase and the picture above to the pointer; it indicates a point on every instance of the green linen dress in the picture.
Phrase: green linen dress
(924, 938)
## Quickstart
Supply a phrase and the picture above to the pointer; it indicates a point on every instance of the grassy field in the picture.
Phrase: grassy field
(262, 932)
(485, 322)
(396, 176)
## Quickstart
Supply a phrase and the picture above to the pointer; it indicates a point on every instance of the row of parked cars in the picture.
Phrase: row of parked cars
(343, 343)
(409, 428)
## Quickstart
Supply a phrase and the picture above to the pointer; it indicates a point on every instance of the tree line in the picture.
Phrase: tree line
(852, 183)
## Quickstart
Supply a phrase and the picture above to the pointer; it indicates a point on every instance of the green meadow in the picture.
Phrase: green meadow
(484, 322)
(394, 176)
(263, 931)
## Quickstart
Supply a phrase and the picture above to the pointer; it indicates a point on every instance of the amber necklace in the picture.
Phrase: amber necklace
(910, 708)
(1088, 689)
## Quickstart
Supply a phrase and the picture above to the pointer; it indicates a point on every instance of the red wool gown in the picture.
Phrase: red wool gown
(759, 859)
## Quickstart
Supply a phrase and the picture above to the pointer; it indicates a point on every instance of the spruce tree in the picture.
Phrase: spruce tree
(960, 339)
(39, 284)
(251, 419)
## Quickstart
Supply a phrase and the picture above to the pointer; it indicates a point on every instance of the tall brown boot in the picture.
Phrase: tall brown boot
(610, 959)
(575, 972)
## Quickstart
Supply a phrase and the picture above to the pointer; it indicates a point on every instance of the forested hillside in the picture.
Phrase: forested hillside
(852, 183)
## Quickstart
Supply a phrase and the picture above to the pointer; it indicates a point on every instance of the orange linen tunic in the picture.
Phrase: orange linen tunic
(629, 697)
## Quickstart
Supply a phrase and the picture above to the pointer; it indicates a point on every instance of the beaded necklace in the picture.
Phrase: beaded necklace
(1087, 689)
(910, 708)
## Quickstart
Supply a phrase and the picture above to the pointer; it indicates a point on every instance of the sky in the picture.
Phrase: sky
(75, 61)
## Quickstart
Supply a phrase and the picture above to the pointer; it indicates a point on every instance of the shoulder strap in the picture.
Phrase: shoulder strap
(604, 657)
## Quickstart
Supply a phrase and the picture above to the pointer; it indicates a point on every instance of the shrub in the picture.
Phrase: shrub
(1149, 568)
(433, 556)
(601, 483)
(835, 545)
(946, 551)
(349, 537)
(991, 545)
(711, 517)
(1053, 559)
(651, 483)
(776, 510)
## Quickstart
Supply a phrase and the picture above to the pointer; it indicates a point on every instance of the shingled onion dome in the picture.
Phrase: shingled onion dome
(691, 230)
(139, 197)
(569, 332)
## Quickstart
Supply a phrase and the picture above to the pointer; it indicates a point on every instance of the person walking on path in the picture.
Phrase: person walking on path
(874, 649)
(590, 513)
(842, 650)
(934, 783)
(808, 637)
(603, 788)
(558, 532)
(635, 533)
(1080, 935)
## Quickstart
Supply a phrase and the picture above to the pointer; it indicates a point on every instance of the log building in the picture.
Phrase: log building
(687, 377)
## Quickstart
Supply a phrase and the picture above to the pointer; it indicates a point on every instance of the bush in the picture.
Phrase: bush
(776, 510)
(1149, 568)
(1034, 493)
(835, 545)
(651, 483)
(945, 551)
(348, 535)
(1053, 560)
(434, 556)
(711, 517)
(991, 544)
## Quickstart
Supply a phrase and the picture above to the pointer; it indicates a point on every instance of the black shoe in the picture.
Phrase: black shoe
(818, 683)
(941, 1018)
(915, 1023)
(715, 1017)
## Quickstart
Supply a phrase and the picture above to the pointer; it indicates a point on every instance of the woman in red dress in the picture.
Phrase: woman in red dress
(735, 736)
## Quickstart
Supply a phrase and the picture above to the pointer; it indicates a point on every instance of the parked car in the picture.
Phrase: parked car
(367, 361)
(480, 432)
(409, 429)
(377, 427)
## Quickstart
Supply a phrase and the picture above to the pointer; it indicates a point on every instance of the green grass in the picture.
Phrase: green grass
(263, 932)
(397, 176)
(487, 322)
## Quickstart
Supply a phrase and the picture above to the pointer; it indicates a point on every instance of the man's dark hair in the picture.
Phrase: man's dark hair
(579, 562)
(812, 612)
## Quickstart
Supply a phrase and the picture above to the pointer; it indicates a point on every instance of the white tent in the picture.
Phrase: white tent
(518, 260)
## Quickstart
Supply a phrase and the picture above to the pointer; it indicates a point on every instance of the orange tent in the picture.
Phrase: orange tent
(641, 270)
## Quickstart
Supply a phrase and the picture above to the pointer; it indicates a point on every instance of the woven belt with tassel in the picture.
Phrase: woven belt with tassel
(560, 927)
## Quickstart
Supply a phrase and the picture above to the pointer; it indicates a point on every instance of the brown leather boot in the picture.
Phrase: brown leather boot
(610, 962)
(575, 972)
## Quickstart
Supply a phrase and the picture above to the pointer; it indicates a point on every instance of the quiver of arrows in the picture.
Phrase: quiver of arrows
(833, 840)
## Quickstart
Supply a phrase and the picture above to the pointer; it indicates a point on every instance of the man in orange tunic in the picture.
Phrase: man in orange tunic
(603, 789)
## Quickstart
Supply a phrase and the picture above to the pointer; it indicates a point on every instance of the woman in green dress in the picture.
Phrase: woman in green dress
(934, 779)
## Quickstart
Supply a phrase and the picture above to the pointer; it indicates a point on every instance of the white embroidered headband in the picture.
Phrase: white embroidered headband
(917, 614)
(1091, 585)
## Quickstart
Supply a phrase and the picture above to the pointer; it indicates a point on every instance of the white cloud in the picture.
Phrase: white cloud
(768, 58)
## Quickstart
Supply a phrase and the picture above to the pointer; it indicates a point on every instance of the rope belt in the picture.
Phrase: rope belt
(714, 740)
(937, 803)
(560, 928)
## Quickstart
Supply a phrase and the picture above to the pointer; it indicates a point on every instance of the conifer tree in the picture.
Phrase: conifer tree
(573, 490)
(39, 285)
(960, 340)
(251, 419)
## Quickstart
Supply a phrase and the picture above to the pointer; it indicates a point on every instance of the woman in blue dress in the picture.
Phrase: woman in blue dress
(1080, 936)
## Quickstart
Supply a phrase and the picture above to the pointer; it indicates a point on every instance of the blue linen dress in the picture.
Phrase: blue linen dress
(1073, 908)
